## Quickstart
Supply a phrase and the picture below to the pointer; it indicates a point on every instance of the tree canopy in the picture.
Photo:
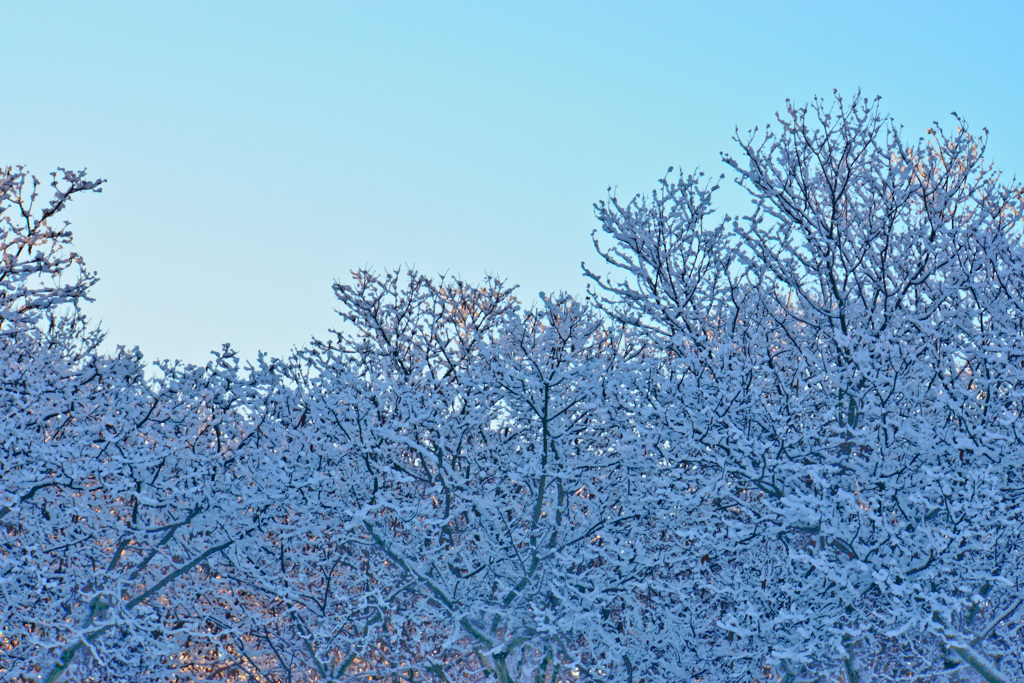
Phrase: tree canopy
(777, 446)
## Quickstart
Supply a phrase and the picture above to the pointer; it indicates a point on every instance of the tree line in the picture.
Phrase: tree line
(784, 446)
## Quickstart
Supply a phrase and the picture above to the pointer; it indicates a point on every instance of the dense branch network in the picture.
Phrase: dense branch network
(783, 446)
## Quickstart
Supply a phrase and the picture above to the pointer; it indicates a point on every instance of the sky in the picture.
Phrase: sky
(257, 152)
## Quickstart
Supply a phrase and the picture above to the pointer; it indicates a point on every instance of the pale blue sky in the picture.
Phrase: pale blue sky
(258, 151)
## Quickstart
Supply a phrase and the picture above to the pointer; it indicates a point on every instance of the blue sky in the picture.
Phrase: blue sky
(256, 152)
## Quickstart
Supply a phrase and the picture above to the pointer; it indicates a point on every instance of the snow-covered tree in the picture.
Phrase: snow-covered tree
(851, 354)
(495, 497)
(783, 446)
(118, 493)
